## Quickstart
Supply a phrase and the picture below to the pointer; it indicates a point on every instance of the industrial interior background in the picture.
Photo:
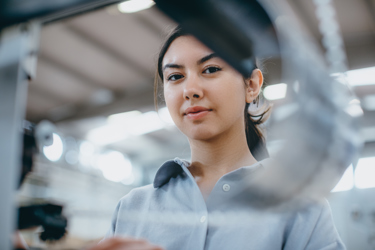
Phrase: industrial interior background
(94, 68)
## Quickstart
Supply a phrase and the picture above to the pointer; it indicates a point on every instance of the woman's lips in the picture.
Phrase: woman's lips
(198, 115)
(196, 112)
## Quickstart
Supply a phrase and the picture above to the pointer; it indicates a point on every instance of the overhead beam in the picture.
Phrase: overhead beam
(126, 61)
(370, 4)
(41, 92)
(147, 22)
(14, 12)
(72, 71)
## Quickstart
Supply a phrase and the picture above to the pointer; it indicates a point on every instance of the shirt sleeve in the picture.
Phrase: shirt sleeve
(314, 229)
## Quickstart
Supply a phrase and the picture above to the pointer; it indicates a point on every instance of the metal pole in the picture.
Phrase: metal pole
(17, 63)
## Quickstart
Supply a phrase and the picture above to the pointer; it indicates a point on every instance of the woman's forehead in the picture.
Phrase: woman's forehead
(185, 48)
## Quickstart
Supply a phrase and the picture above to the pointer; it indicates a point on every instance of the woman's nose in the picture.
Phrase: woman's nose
(192, 89)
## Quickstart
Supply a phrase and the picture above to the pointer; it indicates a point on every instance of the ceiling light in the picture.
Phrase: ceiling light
(54, 151)
(132, 6)
(146, 123)
(359, 77)
(364, 175)
(121, 126)
(114, 166)
(135, 122)
(276, 91)
(86, 154)
(165, 116)
(123, 117)
(346, 182)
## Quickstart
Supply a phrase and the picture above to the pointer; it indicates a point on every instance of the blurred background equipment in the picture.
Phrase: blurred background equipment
(101, 63)
(48, 216)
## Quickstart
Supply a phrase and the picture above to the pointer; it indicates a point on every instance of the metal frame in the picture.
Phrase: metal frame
(17, 54)
(19, 45)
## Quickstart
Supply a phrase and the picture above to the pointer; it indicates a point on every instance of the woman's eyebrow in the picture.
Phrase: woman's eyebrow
(206, 58)
(200, 61)
(173, 65)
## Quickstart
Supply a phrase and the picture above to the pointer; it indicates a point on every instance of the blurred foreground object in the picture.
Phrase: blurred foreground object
(318, 126)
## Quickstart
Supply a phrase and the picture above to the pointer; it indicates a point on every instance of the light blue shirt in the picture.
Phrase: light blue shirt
(172, 213)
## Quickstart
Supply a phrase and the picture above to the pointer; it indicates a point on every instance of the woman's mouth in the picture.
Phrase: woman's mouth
(196, 112)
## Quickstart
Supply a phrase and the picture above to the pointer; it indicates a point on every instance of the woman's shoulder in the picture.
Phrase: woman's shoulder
(314, 227)
(137, 196)
(151, 193)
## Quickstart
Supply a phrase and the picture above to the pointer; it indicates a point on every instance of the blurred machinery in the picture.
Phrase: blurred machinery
(44, 214)
(318, 125)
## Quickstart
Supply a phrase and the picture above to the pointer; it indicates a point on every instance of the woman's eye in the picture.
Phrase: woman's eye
(211, 70)
(174, 77)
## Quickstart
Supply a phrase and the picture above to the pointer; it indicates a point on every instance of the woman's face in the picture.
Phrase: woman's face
(205, 96)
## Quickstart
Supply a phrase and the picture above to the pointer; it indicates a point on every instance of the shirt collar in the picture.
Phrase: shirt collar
(168, 170)
(173, 168)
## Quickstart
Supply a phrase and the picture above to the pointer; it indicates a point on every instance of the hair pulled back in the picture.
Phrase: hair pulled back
(254, 136)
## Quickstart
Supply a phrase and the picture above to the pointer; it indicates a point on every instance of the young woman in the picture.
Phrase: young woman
(198, 204)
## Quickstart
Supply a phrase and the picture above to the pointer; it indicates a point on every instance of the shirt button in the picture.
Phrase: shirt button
(226, 187)
(203, 218)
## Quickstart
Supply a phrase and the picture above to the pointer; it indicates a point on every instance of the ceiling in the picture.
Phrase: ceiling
(103, 62)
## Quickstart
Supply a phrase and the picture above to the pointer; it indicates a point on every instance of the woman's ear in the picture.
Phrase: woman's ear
(253, 85)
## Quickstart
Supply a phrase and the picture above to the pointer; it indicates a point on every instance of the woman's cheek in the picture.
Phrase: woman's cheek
(173, 103)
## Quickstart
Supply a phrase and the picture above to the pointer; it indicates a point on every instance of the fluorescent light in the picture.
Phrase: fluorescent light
(54, 151)
(346, 182)
(114, 166)
(145, 123)
(106, 135)
(276, 91)
(132, 6)
(123, 117)
(359, 77)
(121, 126)
(165, 116)
(364, 175)
(86, 154)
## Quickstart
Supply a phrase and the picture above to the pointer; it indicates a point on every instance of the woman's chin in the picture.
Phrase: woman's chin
(201, 135)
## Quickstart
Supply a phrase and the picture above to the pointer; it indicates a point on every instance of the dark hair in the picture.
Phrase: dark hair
(254, 136)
